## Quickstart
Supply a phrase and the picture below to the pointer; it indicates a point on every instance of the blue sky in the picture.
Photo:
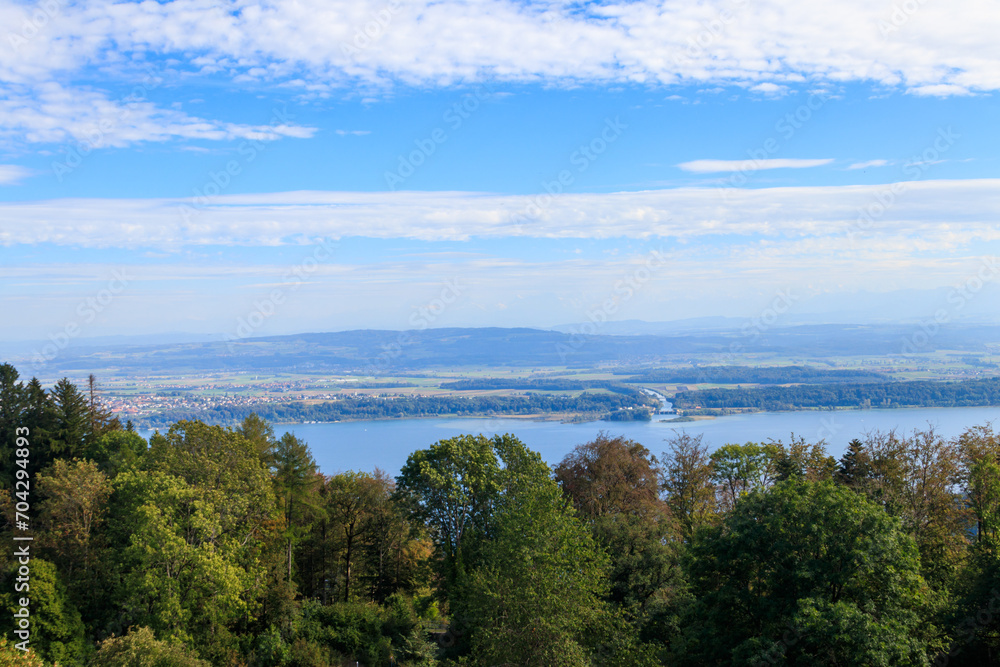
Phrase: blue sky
(196, 165)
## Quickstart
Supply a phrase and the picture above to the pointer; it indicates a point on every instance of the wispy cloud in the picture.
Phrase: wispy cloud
(869, 163)
(712, 166)
(698, 278)
(940, 90)
(356, 133)
(53, 113)
(950, 212)
(11, 174)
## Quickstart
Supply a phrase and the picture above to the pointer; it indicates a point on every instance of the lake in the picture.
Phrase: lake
(366, 445)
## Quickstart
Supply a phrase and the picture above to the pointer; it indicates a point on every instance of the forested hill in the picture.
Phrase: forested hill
(917, 393)
(374, 351)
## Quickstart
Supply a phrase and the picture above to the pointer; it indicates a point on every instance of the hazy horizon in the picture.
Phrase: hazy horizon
(359, 164)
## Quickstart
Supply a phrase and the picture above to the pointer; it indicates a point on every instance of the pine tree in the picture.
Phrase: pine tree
(11, 407)
(102, 421)
(72, 421)
(855, 465)
(296, 484)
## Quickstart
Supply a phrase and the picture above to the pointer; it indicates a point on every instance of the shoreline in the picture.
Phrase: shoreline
(567, 418)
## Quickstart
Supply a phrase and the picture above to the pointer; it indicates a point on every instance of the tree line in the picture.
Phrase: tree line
(227, 546)
(534, 384)
(756, 375)
(403, 407)
(914, 393)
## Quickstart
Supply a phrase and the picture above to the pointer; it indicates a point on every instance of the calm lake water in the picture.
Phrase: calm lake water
(386, 444)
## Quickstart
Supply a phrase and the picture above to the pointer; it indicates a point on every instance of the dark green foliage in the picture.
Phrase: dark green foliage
(363, 407)
(270, 649)
(975, 619)
(629, 415)
(453, 487)
(855, 465)
(756, 375)
(25, 407)
(295, 482)
(11, 407)
(117, 451)
(71, 430)
(364, 632)
(61, 423)
(535, 588)
(807, 572)
(227, 547)
(923, 393)
(480, 384)
(192, 533)
(260, 434)
(522, 573)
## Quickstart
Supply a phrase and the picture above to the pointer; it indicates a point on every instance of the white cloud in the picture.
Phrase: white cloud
(769, 89)
(53, 113)
(712, 166)
(320, 47)
(764, 42)
(941, 213)
(11, 174)
(869, 163)
(940, 90)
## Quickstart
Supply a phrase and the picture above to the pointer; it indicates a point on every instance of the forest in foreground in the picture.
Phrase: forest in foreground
(227, 546)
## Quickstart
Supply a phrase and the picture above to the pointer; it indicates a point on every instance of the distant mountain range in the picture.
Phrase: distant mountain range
(375, 352)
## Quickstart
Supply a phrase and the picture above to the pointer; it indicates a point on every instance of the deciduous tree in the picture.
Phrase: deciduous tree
(686, 482)
(75, 496)
(808, 573)
(614, 486)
